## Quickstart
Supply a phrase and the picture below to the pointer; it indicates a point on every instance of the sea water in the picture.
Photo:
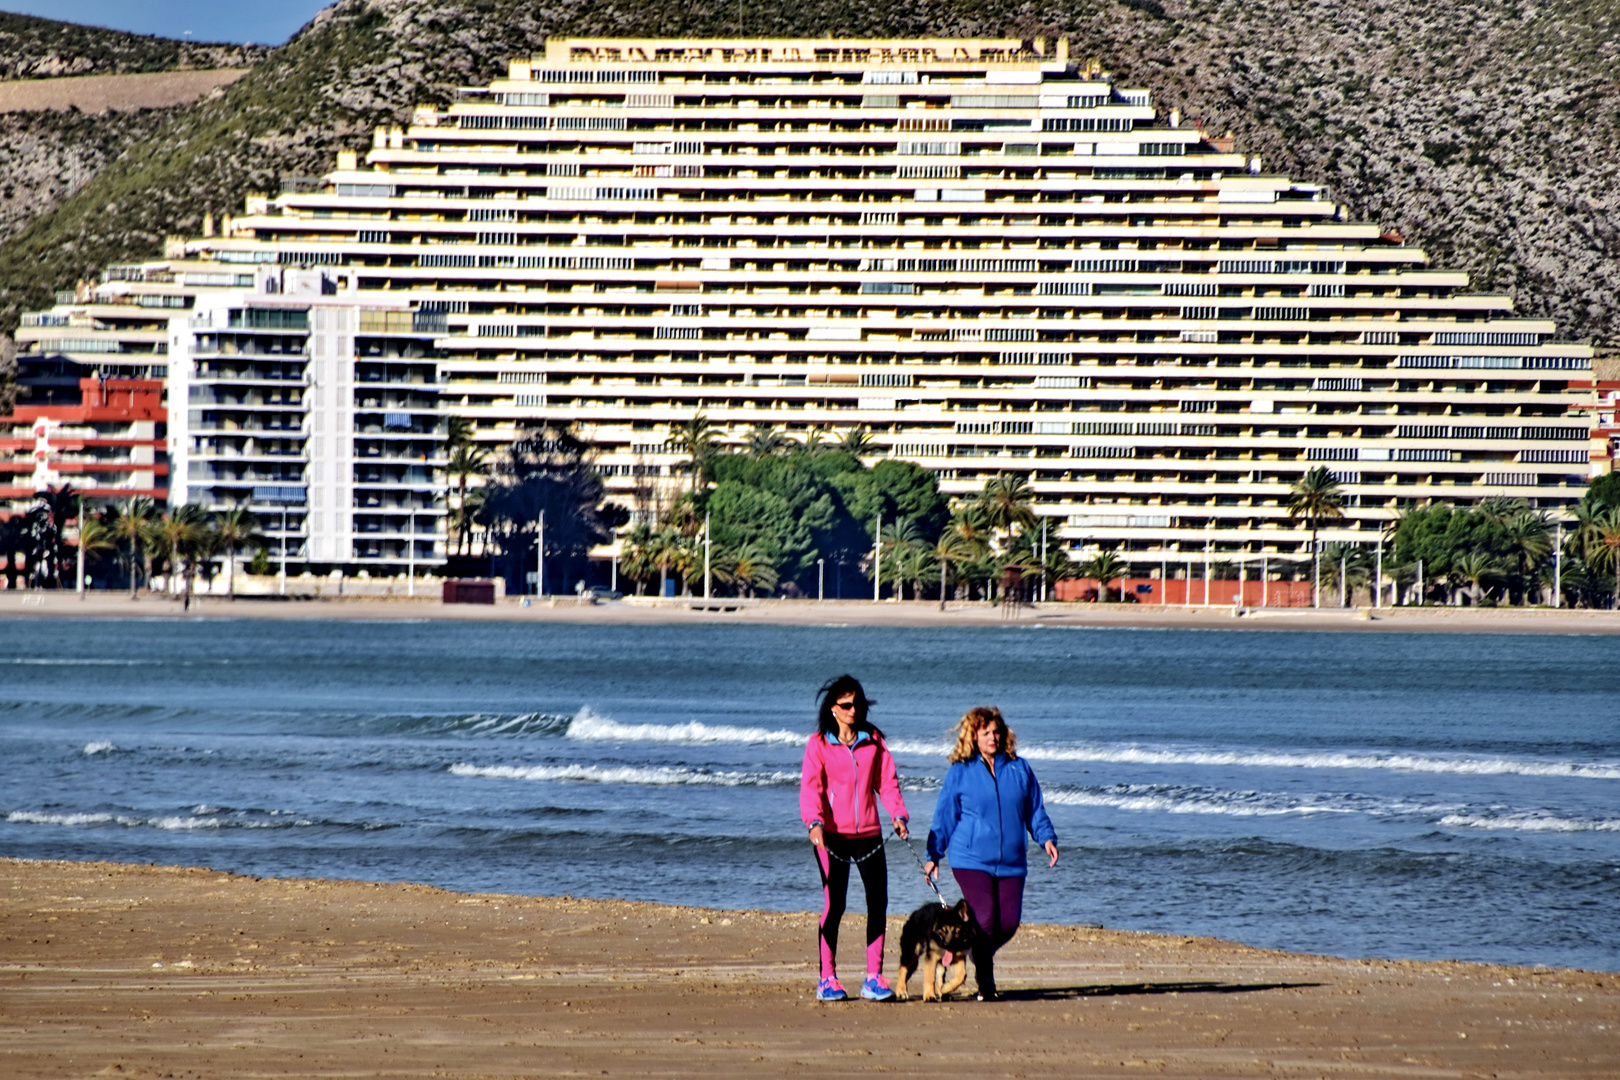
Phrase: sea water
(1357, 794)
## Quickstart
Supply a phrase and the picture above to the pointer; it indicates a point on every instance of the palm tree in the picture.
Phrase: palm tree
(667, 549)
(855, 441)
(1604, 552)
(60, 505)
(949, 548)
(815, 441)
(235, 529)
(900, 539)
(12, 530)
(1478, 569)
(764, 442)
(971, 524)
(133, 527)
(1007, 501)
(696, 439)
(96, 536)
(466, 460)
(1104, 567)
(181, 535)
(748, 569)
(1529, 535)
(1356, 563)
(458, 432)
(1313, 498)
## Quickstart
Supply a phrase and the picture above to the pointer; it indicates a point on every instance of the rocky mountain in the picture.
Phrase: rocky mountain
(35, 48)
(1483, 130)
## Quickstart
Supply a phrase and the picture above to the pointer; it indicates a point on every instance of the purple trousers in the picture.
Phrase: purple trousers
(998, 905)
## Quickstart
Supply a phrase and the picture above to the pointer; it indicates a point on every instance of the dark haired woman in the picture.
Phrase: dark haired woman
(847, 770)
(989, 800)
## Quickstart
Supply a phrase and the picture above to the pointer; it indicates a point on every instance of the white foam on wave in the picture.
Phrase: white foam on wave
(1137, 755)
(625, 774)
(100, 746)
(169, 823)
(1220, 803)
(590, 727)
(1528, 823)
(31, 817)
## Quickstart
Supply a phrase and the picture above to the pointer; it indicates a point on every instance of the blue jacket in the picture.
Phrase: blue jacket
(981, 818)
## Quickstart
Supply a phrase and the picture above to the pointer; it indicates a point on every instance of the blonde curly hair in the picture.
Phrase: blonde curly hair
(967, 732)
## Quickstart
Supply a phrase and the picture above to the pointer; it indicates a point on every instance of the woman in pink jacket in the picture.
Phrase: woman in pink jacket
(847, 769)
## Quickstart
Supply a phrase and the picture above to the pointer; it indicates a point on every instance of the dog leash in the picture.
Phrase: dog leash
(926, 879)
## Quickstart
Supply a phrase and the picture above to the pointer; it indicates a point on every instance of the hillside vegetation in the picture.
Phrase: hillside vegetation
(1483, 130)
(35, 48)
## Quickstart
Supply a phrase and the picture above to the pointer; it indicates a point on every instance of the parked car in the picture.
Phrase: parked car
(602, 592)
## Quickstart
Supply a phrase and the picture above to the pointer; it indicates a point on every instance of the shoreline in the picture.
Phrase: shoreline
(915, 614)
(132, 970)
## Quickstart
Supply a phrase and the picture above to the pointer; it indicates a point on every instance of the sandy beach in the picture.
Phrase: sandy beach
(138, 971)
(633, 611)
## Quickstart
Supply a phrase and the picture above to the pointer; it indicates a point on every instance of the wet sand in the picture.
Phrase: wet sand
(136, 971)
(648, 612)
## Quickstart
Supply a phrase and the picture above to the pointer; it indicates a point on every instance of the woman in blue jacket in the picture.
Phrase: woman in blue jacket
(989, 801)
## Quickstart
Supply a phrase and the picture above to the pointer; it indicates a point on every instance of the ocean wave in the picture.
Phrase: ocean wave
(1529, 823)
(167, 822)
(100, 746)
(626, 774)
(1474, 766)
(1171, 800)
(588, 726)
(473, 724)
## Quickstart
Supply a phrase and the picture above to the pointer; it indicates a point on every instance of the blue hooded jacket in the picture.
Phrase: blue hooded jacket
(981, 817)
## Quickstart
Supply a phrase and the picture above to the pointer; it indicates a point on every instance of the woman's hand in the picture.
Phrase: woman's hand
(817, 839)
(931, 870)
(1051, 851)
(900, 829)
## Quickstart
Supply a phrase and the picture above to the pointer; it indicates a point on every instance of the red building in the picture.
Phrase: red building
(1604, 408)
(110, 445)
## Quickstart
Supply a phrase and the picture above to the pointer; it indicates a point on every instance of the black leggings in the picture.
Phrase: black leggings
(834, 863)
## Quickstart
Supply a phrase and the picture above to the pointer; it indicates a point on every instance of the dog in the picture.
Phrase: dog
(935, 941)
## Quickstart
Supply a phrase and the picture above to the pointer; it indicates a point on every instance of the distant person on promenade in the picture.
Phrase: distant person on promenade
(990, 799)
(847, 770)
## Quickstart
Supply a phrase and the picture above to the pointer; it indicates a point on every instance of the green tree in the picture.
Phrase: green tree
(134, 528)
(766, 442)
(896, 489)
(748, 570)
(949, 550)
(1604, 551)
(697, 439)
(1477, 570)
(466, 461)
(236, 528)
(902, 541)
(96, 537)
(1008, 502)
(1104, 567)
(180, 536)
(1314, 498)
(855, 441)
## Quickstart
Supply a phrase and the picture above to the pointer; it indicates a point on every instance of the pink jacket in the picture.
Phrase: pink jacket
(841, 784)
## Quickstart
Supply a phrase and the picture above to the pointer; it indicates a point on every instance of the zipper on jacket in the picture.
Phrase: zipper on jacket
(1001, 836)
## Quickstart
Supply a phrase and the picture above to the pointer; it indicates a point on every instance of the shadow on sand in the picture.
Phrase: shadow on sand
(1065, 993)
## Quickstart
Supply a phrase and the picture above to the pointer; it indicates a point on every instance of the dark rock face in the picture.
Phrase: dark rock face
(1483, 130)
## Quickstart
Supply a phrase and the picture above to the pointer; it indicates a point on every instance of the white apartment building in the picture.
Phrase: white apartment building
(318, 413)
(988, 256)
(286, 396)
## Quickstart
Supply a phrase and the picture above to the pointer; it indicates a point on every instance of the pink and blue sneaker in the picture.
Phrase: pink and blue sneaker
(830, 989)
(876, 988)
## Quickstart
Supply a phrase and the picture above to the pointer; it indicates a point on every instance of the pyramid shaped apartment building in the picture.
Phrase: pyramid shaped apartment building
(988, 256)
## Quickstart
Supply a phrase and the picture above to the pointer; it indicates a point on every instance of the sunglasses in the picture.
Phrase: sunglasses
(844, 704)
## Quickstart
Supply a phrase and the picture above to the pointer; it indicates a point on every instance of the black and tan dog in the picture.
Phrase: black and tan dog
(936, 937)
